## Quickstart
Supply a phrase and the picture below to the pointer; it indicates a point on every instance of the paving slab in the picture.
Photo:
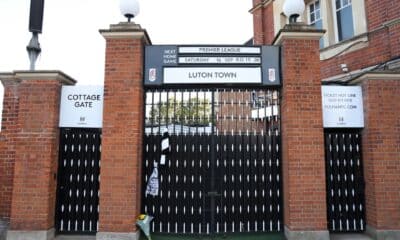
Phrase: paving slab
(3, 229)
(75, 237)
(351, 236)
(239, 236)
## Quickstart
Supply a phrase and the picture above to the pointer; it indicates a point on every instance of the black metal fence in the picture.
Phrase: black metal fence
(223, 172)
(78, 181)
(345, 181)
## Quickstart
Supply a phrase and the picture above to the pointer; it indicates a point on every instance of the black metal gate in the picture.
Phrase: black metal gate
(78, 181)
(345, 181)
(223, 172)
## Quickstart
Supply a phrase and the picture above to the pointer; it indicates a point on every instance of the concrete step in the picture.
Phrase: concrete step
(75, 237)
(350, 236)
(85, 237)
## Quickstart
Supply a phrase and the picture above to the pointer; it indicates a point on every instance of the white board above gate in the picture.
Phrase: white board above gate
(342, 107)
(81, 106)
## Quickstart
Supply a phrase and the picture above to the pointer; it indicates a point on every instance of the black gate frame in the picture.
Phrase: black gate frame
(338, 206)
(213, 195)
(91, 174)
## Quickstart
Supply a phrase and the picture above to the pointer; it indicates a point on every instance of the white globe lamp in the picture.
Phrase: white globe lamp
(129, 8)
(293, 9)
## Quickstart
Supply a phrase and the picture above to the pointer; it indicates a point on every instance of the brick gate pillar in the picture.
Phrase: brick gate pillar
(381, 153)
(121, 156)
(32, 105)
(303, 161)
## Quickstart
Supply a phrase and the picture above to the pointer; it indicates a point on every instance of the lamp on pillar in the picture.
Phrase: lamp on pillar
(35, 27)
(293, 9)
(129, 8)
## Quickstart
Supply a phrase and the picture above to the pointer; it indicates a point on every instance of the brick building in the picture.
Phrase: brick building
(243, 159)
(360, 47)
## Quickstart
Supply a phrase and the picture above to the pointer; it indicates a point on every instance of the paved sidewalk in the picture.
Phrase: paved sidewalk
(332, 237)
(3, 230)
(353, 236)
(75, 237)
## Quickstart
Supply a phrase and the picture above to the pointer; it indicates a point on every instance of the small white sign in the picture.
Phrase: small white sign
(342, 107)
(220, 50)
(152, 74)
(264, 112)
(192, 75)
(81, 106)
(162, 159)
(271, 74)
(164, 144)
(219, 60)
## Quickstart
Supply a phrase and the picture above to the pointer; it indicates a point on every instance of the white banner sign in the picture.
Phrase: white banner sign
(220, 50)
(342, 107)
(220, 60)
(81, 106)
(212, 75)
(264, 112)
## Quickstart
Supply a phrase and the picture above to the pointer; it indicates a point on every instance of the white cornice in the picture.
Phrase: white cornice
(297, 35)
(261, 5)
(377, 76)
(19, 76)
(126, 30)
(392, 22)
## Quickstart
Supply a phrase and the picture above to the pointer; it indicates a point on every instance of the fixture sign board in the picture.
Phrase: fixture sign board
(81, 106)
(175, 75)
(247, 64)
(342, 107)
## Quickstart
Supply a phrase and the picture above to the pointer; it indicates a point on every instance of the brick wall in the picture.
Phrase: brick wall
(379, 12)
(268, 25)
(378, 51)
(7, 146)
(121, 155)
(394, 38)
(381, 152)
(383, 40)
(258, 17)
(263, 22)
(302, 135)
(240, 105)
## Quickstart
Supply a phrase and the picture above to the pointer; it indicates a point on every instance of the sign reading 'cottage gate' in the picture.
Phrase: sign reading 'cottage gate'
(81, 106)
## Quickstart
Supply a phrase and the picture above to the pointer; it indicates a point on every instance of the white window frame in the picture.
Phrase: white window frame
(321, 18)
(335, 23)
(309, 12)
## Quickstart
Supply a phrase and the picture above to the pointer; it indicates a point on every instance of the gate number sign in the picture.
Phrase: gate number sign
(342, 107)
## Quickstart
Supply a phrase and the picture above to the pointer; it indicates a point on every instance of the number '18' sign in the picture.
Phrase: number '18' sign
(342, 107)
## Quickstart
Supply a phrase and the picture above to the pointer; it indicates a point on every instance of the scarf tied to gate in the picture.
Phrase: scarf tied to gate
(153, 184)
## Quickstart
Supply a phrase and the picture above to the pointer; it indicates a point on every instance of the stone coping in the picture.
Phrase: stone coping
(38, 75)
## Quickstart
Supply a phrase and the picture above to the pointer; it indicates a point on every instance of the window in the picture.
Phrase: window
(344, 19)
(345, 22)
(315, 18)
